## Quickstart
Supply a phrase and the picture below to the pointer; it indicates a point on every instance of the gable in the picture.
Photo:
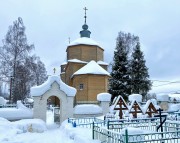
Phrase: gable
(40, 90)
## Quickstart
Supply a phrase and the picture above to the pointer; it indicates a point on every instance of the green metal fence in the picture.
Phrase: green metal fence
(118, 126)
(114, 133)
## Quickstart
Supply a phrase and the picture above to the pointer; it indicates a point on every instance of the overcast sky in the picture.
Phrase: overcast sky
(49, 23)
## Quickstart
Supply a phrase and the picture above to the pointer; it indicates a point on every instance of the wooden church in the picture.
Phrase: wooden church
(85, 68)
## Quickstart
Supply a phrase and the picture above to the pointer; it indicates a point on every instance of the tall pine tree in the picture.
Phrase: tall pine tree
(140, 82)
(120, 77)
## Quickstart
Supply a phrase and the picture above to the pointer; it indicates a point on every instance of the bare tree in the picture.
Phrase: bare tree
(38, 70)
(17, 66)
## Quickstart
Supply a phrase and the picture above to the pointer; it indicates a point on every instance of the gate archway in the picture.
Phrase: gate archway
(53, 110)
(53, 87)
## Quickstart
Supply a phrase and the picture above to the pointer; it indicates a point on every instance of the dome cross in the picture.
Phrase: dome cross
(85, 9)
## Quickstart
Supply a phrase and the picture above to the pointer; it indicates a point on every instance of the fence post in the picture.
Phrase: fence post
(108, 130)
(177, 126)
(108, 124)
(126, 135)
(74, 124)
(165, 127)
(93, 131)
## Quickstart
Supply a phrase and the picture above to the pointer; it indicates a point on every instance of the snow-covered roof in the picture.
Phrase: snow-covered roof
(162, 97)
(77, 61)
(174, 96)
(102, 63)
(92, 68)
(136, 97)
(64, 63)
(174, 107)
(104, 97)
(40, 90)
(87, 109)
(84, 41)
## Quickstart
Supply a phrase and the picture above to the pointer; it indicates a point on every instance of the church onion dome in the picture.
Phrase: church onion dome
(91, 68)
(85, 32)
(84, 41)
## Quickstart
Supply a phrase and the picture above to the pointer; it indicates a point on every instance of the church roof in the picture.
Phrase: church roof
(84, 41)
(91, 68)
(102, 63)
(77, 61)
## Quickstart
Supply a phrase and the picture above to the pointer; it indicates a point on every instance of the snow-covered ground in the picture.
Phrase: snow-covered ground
(37, 131)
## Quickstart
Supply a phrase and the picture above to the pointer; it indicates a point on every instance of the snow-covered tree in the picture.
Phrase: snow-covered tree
(14, 51)
(30, 73)
(14, 65)
(140, 82)
(38, 70)
(129, 41)
(120, 77)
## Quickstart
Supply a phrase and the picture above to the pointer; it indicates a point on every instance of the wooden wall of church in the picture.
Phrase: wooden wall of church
(85, 53)
(96, 84)
(93, 85)
(82, 94)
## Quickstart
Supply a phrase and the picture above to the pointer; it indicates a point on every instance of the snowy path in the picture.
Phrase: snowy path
(50, 136)
(18, 132)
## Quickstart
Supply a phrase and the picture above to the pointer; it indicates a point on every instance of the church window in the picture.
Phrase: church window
(81, 86)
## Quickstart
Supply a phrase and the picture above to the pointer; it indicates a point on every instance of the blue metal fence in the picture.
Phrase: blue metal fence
(86, 122)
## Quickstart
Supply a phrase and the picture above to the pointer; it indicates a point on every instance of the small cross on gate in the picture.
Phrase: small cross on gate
(69, 40)
(54, 70)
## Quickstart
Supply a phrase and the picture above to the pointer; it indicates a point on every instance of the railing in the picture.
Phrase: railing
(15, 105)
(118, 126)
(168, 137)
(114, 133)
(105, 135)
(8, 106)
(172, 126)
(86, 122)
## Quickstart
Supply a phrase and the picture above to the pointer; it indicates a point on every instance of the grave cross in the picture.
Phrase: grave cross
(151, 109)
(161, 122)
(135, 109)
(122, 106)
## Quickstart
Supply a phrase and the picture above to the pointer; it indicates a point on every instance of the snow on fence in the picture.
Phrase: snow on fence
(15, 105)
(86, 122)
(144, 125)
(134, 132)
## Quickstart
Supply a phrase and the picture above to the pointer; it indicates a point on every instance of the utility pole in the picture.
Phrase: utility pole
(11, 83)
